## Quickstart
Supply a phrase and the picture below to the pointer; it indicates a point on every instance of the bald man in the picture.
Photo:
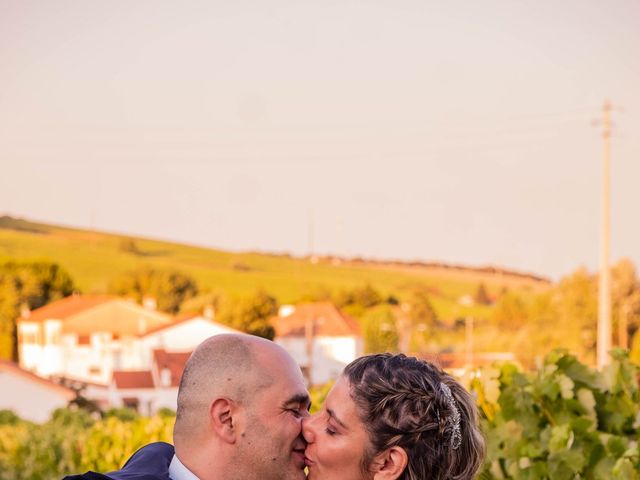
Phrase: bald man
(241, 403)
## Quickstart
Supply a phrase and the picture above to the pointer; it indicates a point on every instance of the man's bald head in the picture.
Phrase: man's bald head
(241, 403)
(230, 365)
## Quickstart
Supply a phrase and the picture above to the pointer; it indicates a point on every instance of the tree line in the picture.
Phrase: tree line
(530, 323)
(30, 285)
(566, 314)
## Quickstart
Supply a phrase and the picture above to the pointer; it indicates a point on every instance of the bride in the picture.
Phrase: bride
(394, 417)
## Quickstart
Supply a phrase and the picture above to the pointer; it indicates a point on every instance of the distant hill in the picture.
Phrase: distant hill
(20, 225)
(94, 258)
(512, 275)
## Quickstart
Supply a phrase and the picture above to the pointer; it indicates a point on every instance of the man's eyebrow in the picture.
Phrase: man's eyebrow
(299, 398)
(333, 415)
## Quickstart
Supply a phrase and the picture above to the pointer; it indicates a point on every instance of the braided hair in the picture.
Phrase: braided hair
(413, 404)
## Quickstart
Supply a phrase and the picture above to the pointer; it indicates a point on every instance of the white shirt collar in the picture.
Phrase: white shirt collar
(177, 471)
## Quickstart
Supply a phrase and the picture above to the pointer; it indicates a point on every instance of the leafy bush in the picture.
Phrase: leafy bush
(318, 394)
(364, 296)
(379, 330)
(166, 412)
(74, 442)
(8, 417)
(125, 414)
(251, 314)
(564, 421)
(27, 284)
(169, 288)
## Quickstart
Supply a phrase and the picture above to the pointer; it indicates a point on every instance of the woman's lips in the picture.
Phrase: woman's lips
(308, 462)
(300, 458)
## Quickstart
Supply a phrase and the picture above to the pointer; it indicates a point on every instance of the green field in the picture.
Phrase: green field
(94, 259)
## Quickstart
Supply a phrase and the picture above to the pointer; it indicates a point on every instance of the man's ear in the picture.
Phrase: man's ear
(390, 464)
(223, 419)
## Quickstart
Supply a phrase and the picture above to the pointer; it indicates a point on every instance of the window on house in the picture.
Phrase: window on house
(30, 338)
(165, 377)
(131, 402)
(117, 360)
(53, 337)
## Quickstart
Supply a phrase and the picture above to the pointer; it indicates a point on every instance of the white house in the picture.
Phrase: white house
(86, 337)
(118, 353)
(320, 337)
(123, 354)
(29, 396)
(185, 333)
(89, 337)
(166, 350)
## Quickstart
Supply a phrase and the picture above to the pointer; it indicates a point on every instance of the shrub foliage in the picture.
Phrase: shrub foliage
(74, 442)
(563, 421)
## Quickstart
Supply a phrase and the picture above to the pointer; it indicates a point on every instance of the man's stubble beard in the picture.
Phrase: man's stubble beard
(258, 458)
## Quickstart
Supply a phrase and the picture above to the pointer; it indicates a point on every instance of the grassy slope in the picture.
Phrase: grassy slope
(94, 259)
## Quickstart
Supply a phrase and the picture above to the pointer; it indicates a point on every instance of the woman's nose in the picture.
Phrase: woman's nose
(308, 428)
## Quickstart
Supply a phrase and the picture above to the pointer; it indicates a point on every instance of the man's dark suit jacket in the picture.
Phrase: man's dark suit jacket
(151, 462)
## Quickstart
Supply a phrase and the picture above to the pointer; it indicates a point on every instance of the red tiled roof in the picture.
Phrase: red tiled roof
(12, 368)
(327, 319)
(119, 317)
(133, 379)
(66, 307)
(183, 317)
(84, 315)
(174, 361)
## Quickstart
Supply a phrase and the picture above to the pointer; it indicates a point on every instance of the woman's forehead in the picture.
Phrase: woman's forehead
(341, 404)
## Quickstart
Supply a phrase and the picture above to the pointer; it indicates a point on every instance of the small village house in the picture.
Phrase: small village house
(320, 337)
(116, 352)
(29, 396)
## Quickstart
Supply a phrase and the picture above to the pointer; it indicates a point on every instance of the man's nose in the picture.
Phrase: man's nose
(308, 428)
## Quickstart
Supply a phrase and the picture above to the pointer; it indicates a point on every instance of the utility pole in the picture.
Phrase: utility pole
(311, 234)
(404, 328)
(604, 285)
(309, 335)
(468, 323)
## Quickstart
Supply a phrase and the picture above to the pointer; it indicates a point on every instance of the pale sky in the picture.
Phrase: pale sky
(448, 131)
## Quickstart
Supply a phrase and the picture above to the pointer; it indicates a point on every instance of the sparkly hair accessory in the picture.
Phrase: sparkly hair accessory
(456, 436)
